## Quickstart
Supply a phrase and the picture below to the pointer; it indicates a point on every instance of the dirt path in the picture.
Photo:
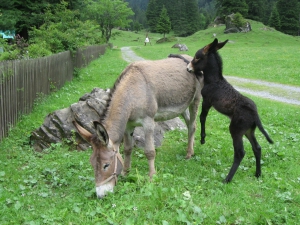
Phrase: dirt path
(274, 91)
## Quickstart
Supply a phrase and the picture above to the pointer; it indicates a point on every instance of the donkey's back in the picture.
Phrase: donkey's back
(160, 89)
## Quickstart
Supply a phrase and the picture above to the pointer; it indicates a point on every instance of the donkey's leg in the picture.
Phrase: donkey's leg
(256, 150)
(128, 145)
(186, 117)
(149, 125)
(191, 124)
(205, 108)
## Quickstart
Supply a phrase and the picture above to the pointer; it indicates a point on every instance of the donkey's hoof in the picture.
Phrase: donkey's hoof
(188, 156)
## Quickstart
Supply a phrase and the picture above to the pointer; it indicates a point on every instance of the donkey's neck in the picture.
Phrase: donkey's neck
(213, 69)
(115, 124)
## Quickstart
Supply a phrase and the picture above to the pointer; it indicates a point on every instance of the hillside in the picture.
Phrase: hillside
(263, 53)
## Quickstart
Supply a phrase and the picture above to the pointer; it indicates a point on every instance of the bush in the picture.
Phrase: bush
(238, 20)
(63, 31)
(16, 50)
(38, 50)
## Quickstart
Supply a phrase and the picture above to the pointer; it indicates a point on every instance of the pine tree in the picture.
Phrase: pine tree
(256, 9)
(180, 23)
(192, 16)
(274, 19)
(268, 10)
(152, 14)
(288, 14)
(164, 24)
(226, 7)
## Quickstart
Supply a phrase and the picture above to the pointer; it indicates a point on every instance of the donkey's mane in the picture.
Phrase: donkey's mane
(112, 91)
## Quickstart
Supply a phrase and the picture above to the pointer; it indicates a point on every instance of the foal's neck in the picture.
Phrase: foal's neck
(213, 69)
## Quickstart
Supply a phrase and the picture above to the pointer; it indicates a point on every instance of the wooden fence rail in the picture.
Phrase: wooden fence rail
(22, 80)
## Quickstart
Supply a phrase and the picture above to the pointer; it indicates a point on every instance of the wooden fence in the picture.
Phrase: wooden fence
(22, 80)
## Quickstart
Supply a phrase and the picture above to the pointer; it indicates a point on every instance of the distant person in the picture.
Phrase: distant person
(147, 40)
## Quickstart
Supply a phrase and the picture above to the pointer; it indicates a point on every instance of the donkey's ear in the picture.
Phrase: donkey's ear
(83, 132)
(211, 46)
(101, 133)
(221, 45)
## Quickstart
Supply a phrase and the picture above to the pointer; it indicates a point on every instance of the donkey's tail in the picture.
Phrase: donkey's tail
(261, 128)
(180, 57)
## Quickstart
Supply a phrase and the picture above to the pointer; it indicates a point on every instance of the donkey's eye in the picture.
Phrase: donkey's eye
(106, 165)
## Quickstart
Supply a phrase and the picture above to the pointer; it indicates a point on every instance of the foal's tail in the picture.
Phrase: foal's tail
(180, 57)
(261, 128)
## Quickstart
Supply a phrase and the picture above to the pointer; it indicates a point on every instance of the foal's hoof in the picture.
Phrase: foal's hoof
(226, 181)
(257, 175)
(202, 141)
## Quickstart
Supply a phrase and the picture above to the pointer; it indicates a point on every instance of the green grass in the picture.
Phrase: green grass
(57, 186)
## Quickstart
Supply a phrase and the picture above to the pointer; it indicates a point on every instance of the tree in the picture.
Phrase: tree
(164, 24)
(289, 15)
(9, 15)
(109, 14)
(274, 19)
(21, 16)
(208, 11)
(180, 23)
(187, 19)
(268, 10)
(226, 7)
(256, 9)
(139, 8)
(62, 30)
(137, 26)
(152, 14)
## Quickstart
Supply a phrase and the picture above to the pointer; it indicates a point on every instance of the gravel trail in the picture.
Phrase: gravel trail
(269, 90)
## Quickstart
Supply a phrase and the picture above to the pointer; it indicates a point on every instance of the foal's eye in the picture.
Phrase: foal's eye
(195, 59)
(106, 166)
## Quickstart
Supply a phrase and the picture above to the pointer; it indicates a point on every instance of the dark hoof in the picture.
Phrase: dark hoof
(226, 181)
(257, 175)
(202, 142)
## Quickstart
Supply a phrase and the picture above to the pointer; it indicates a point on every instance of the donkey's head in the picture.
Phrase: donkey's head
(199, 62)
(106, 161)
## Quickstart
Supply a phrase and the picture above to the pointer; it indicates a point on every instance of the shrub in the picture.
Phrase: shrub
(38, 50)
(238, 20)
(16, 50)
(62, 31)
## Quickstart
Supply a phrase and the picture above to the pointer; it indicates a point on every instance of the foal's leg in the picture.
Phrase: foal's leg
(239, 152)
(149, 125)
(128, 145)
(205, 108)
(256, 150)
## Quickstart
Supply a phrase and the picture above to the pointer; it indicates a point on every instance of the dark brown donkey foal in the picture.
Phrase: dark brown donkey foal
(217, 92)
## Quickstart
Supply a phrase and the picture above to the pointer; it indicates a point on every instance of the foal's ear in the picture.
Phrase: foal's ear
(221, 45)
(101, 133)
(210, 47)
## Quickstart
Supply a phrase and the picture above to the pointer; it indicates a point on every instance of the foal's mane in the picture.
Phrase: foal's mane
(219, 63)
(112, 91)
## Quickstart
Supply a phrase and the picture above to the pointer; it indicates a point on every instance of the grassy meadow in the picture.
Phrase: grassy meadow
(57, 185)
